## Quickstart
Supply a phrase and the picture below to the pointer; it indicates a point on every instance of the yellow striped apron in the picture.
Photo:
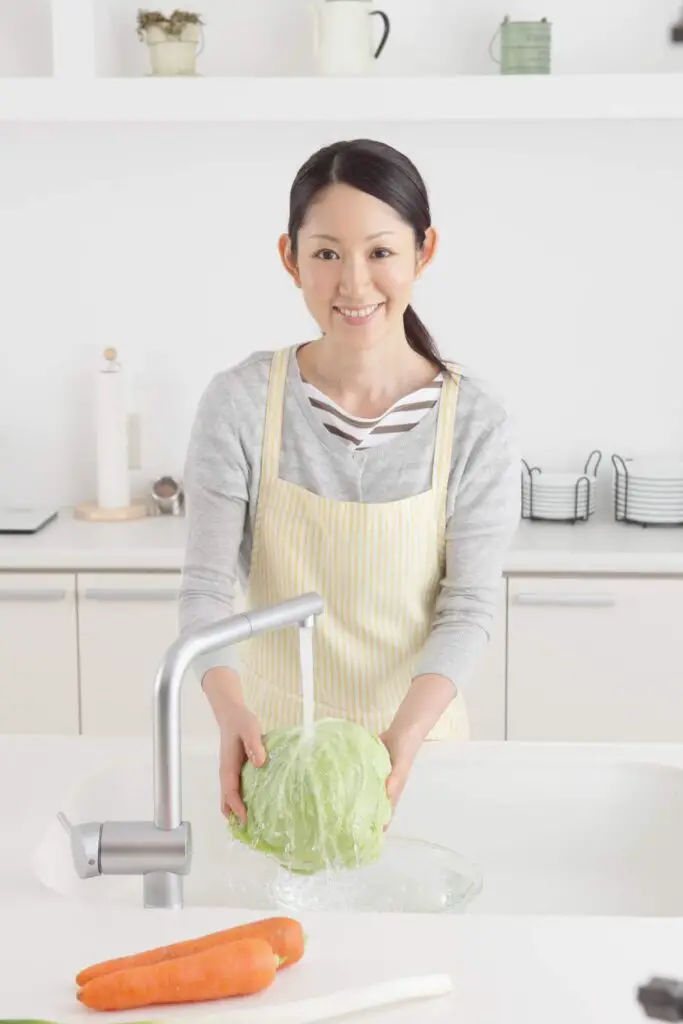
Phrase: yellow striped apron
(378, 568)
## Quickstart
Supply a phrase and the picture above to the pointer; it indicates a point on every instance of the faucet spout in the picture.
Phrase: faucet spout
(164, 888)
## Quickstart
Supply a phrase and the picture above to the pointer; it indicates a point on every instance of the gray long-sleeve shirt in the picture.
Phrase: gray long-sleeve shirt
(222, 476)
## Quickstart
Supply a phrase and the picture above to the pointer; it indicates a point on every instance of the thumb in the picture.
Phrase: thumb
(400, 770)
(394, 783)
(253, 743)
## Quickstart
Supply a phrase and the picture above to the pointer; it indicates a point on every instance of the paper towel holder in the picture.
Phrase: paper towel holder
(127, 510)
(92, 511)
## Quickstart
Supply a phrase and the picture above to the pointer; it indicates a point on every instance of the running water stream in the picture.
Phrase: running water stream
(307, 690)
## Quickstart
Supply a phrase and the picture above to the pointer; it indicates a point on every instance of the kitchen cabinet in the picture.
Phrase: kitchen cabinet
(38, 653)
(592, 658)
(595, 659)
(486, 690)
(126, 622)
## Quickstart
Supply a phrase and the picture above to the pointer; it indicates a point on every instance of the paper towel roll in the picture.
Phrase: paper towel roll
(113, 478)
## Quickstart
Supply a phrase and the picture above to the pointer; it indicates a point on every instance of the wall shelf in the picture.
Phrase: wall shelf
(457, 99)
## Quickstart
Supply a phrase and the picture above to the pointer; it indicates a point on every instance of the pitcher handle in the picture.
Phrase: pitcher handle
(201, 40)
(385, 32)
(495, 36)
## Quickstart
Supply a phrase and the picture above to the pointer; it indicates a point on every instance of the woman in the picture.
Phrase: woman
(360, 465)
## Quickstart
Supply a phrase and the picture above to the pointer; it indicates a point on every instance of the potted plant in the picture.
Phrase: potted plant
(174, 41)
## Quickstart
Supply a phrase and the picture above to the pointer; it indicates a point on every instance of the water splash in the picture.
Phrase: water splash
(307, 690)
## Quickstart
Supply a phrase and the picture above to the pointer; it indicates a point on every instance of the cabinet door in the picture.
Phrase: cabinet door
(38, 653)
(486, 691)
(127, 621)
(593, 659)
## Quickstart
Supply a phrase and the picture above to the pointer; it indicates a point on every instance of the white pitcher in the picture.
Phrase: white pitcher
(344, 36)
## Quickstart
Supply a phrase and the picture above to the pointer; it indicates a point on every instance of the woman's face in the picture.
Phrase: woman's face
(356, 265)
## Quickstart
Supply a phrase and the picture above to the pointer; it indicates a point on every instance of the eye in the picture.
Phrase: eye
(325, 254)
(382, 253)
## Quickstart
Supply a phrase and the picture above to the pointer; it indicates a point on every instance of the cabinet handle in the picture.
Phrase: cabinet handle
(566, 600)
(134, 594)
(47, 594)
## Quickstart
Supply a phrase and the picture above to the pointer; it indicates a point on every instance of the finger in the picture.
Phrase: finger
(253, 745)
(395, 784)
(230, 779)
(232, 803)
(391, 790)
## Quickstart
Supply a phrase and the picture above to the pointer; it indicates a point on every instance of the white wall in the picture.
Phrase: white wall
(25, 38)
(558, 276)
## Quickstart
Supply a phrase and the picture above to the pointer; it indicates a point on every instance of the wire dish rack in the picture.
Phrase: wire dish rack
(560, 497)
(648, 492)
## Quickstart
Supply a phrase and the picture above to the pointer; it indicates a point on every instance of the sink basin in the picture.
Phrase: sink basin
(558, 833)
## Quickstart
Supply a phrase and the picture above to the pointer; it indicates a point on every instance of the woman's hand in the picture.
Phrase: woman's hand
(422, 707)
(240, 741)
(403, 748)
(240, 734)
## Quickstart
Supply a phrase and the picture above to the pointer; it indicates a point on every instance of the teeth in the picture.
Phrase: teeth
(358, 313)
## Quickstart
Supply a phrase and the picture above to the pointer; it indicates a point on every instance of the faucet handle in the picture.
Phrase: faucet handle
(85, 845)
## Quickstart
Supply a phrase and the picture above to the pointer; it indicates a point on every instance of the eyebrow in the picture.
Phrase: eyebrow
(368, 238)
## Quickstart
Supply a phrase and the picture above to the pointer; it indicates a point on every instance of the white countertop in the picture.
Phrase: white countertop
(157, 544)
(536, 970)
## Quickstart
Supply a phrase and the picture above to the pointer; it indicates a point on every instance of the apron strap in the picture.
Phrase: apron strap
(275, 403)
(443, 448)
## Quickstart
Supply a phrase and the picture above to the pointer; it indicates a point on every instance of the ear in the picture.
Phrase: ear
(284, 246)
(427, 253)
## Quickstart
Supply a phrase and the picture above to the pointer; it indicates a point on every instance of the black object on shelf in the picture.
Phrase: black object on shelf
(582, 492)
(662, 999)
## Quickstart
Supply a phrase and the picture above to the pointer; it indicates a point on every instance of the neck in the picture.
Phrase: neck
(364, 377)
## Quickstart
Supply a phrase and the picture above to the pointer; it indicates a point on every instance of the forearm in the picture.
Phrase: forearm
(425, 702)
(223, 690)
(455, 649)
(484, 519)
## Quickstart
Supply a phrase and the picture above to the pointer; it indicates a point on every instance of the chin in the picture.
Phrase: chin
(366, 335)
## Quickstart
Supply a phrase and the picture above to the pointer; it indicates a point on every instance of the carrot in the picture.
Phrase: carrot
(232, 969)
(284, 935)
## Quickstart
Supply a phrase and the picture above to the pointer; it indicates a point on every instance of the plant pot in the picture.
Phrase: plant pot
(171, 55)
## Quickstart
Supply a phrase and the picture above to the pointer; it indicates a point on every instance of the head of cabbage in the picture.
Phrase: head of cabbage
(319, 801)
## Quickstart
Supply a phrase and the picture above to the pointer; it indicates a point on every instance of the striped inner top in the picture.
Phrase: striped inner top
(359, 433)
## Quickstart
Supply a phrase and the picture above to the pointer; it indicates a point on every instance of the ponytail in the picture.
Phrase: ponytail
(420, 340)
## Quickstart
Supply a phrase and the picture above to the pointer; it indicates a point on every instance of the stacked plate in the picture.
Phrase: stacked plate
(561, 496)
(649, 490)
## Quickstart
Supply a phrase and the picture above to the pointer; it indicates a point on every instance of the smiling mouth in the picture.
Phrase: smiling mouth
(359, 315)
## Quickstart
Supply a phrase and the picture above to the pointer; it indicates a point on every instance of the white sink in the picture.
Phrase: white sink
(560, 834)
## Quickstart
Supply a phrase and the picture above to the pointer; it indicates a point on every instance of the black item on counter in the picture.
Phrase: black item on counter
(677, 30)
(662, 999)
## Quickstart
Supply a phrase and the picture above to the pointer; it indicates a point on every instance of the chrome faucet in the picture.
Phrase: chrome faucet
(161, 850)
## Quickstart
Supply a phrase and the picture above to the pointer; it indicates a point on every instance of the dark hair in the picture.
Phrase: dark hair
(382, 172)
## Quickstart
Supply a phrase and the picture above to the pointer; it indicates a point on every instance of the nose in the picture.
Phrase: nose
(354, 277)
